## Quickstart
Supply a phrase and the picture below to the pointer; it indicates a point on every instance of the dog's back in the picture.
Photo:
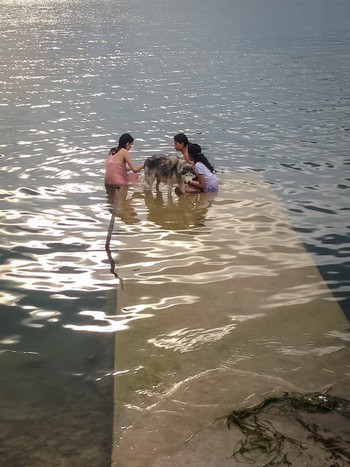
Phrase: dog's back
(154, 161)
(167, 169)
(160, 167)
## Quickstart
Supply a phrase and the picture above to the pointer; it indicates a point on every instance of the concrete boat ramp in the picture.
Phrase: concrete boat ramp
(219, 306)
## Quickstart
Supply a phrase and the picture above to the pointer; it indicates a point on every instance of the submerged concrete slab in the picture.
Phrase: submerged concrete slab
(219, 306)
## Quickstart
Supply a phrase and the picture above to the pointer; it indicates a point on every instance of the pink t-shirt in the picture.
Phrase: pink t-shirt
(116, 174)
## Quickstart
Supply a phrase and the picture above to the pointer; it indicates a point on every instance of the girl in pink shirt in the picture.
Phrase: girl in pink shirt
(120, 169)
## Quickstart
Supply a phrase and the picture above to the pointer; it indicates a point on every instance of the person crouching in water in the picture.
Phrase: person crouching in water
(120, 169)
(206, 180)
(181, 145)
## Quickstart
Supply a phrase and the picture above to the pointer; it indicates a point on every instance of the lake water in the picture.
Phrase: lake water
(263, 86)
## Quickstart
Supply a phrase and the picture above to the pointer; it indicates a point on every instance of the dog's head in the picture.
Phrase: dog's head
(186, 171)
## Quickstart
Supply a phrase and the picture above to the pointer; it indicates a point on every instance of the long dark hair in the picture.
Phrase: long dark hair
(125, 139)
(195, 153)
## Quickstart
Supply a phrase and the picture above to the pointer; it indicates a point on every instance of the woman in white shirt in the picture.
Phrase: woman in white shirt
(206, 179)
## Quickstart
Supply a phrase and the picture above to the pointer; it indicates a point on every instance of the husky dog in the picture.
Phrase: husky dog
(168, 169)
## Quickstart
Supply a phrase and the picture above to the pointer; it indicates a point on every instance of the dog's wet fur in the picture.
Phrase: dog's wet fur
(168, 169)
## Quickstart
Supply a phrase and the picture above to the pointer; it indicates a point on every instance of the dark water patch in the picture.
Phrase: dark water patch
(296, 210)
(303, 229)
(66, 247)
(335, 239)
(13, 229)
(17, 253)
(66, 420)
(57, 406)
(336, 273)
(74, 220)
(257, 170)
(32, 318)
(28, 191)
(10, 317)
(312, 164)
(291, 166)
(5, 195)
(319, 209)
(70, 270)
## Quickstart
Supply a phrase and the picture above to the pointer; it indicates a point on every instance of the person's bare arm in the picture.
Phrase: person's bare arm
(134, 167)
(199, 183)
(187, 158)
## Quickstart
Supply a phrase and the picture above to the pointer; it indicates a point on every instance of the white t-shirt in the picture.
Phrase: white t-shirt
(211, 180)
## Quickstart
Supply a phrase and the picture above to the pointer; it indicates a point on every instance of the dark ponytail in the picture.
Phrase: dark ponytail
(195, 153)
(125, 139)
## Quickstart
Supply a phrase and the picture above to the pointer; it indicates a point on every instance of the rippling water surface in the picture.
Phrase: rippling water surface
(264, 88)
